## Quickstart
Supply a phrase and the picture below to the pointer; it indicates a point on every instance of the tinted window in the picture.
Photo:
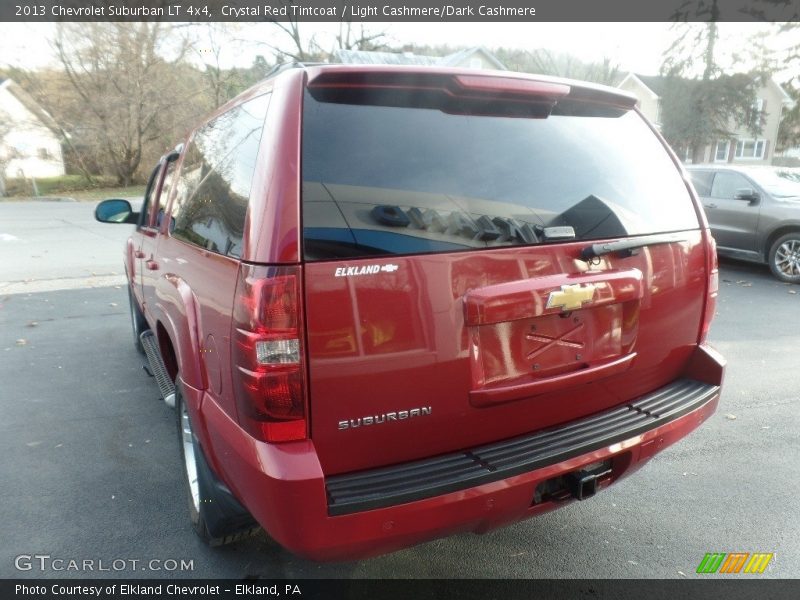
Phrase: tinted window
(165, 189)
(726, 183)
(702, 181)
(150, 190)
(215, 179)
(392, 180)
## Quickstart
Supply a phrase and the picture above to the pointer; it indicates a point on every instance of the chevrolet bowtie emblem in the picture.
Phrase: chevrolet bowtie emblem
(571, 297)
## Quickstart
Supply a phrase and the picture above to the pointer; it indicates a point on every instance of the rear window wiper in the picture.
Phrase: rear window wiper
(626, 247)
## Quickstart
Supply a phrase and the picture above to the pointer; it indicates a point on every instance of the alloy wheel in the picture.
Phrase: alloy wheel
(787, 258)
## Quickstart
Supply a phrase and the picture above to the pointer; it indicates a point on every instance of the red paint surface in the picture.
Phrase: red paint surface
(467, 334)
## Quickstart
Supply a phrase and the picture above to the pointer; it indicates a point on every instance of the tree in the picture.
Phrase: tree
(789, 130)
(362, 39)
(294, 46)
(774, 11)
(695, 111)
(223, 84)
(694, 44)
(546, 62)
(299, 49)
(123, 94)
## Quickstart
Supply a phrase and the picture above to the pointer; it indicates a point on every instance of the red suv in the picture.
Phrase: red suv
(391, 304)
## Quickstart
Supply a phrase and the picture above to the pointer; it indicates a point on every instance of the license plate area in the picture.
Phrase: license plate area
(551, 344)
(542, 335)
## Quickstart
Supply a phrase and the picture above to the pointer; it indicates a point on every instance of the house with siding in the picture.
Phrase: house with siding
(30, 145)
(742, 147)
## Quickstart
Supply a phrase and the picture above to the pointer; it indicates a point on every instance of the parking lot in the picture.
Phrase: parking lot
(90, 461)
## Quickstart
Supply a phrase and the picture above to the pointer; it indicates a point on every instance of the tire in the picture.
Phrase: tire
(216, 516)
(784, 258)
(138, 322)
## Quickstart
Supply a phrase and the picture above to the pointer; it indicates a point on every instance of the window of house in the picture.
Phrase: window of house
(750, 148)
(756, 112)
(44, 153)
(721, 153)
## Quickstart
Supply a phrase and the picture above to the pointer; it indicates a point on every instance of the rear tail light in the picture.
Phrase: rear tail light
(267, 351)
(712, 288)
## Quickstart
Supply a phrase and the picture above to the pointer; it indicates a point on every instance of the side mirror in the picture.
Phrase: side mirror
(115, 211)
(748, 194)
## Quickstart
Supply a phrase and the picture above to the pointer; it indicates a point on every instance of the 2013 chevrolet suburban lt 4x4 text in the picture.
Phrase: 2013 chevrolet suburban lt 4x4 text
(391, 304)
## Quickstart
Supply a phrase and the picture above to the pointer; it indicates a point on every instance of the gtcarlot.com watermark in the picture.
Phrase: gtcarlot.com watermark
(48, 563)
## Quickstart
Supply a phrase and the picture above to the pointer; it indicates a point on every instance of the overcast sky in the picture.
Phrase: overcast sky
(634, 46)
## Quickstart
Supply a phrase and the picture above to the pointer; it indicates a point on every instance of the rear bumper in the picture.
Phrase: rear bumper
(378, 511)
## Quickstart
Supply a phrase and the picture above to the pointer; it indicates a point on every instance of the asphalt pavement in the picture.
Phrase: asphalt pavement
(90, 468)
(58, 245)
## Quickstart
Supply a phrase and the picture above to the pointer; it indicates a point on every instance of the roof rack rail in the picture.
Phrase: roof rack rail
(295, 64)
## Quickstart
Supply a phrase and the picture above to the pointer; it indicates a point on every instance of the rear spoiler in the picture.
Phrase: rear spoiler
(455, 91)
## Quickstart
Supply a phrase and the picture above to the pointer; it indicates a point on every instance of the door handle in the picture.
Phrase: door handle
(711, 205)
(151, 265)
(139, 254)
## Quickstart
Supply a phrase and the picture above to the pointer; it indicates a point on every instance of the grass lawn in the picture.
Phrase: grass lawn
(134, 191)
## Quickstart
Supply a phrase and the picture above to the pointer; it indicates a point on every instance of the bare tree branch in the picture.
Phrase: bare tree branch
(125, 87)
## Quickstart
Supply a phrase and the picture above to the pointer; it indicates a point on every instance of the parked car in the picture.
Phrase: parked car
(391, 304)
(754, 214)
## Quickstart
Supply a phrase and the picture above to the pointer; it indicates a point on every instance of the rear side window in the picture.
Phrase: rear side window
(163, 198)
(381, 180)
(215, 179)
(702, 181)
(149, 196)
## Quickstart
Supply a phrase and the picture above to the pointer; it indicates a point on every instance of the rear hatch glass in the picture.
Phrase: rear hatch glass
(381, 180)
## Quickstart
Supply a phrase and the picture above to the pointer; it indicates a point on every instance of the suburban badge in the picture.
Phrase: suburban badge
(399, 415)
